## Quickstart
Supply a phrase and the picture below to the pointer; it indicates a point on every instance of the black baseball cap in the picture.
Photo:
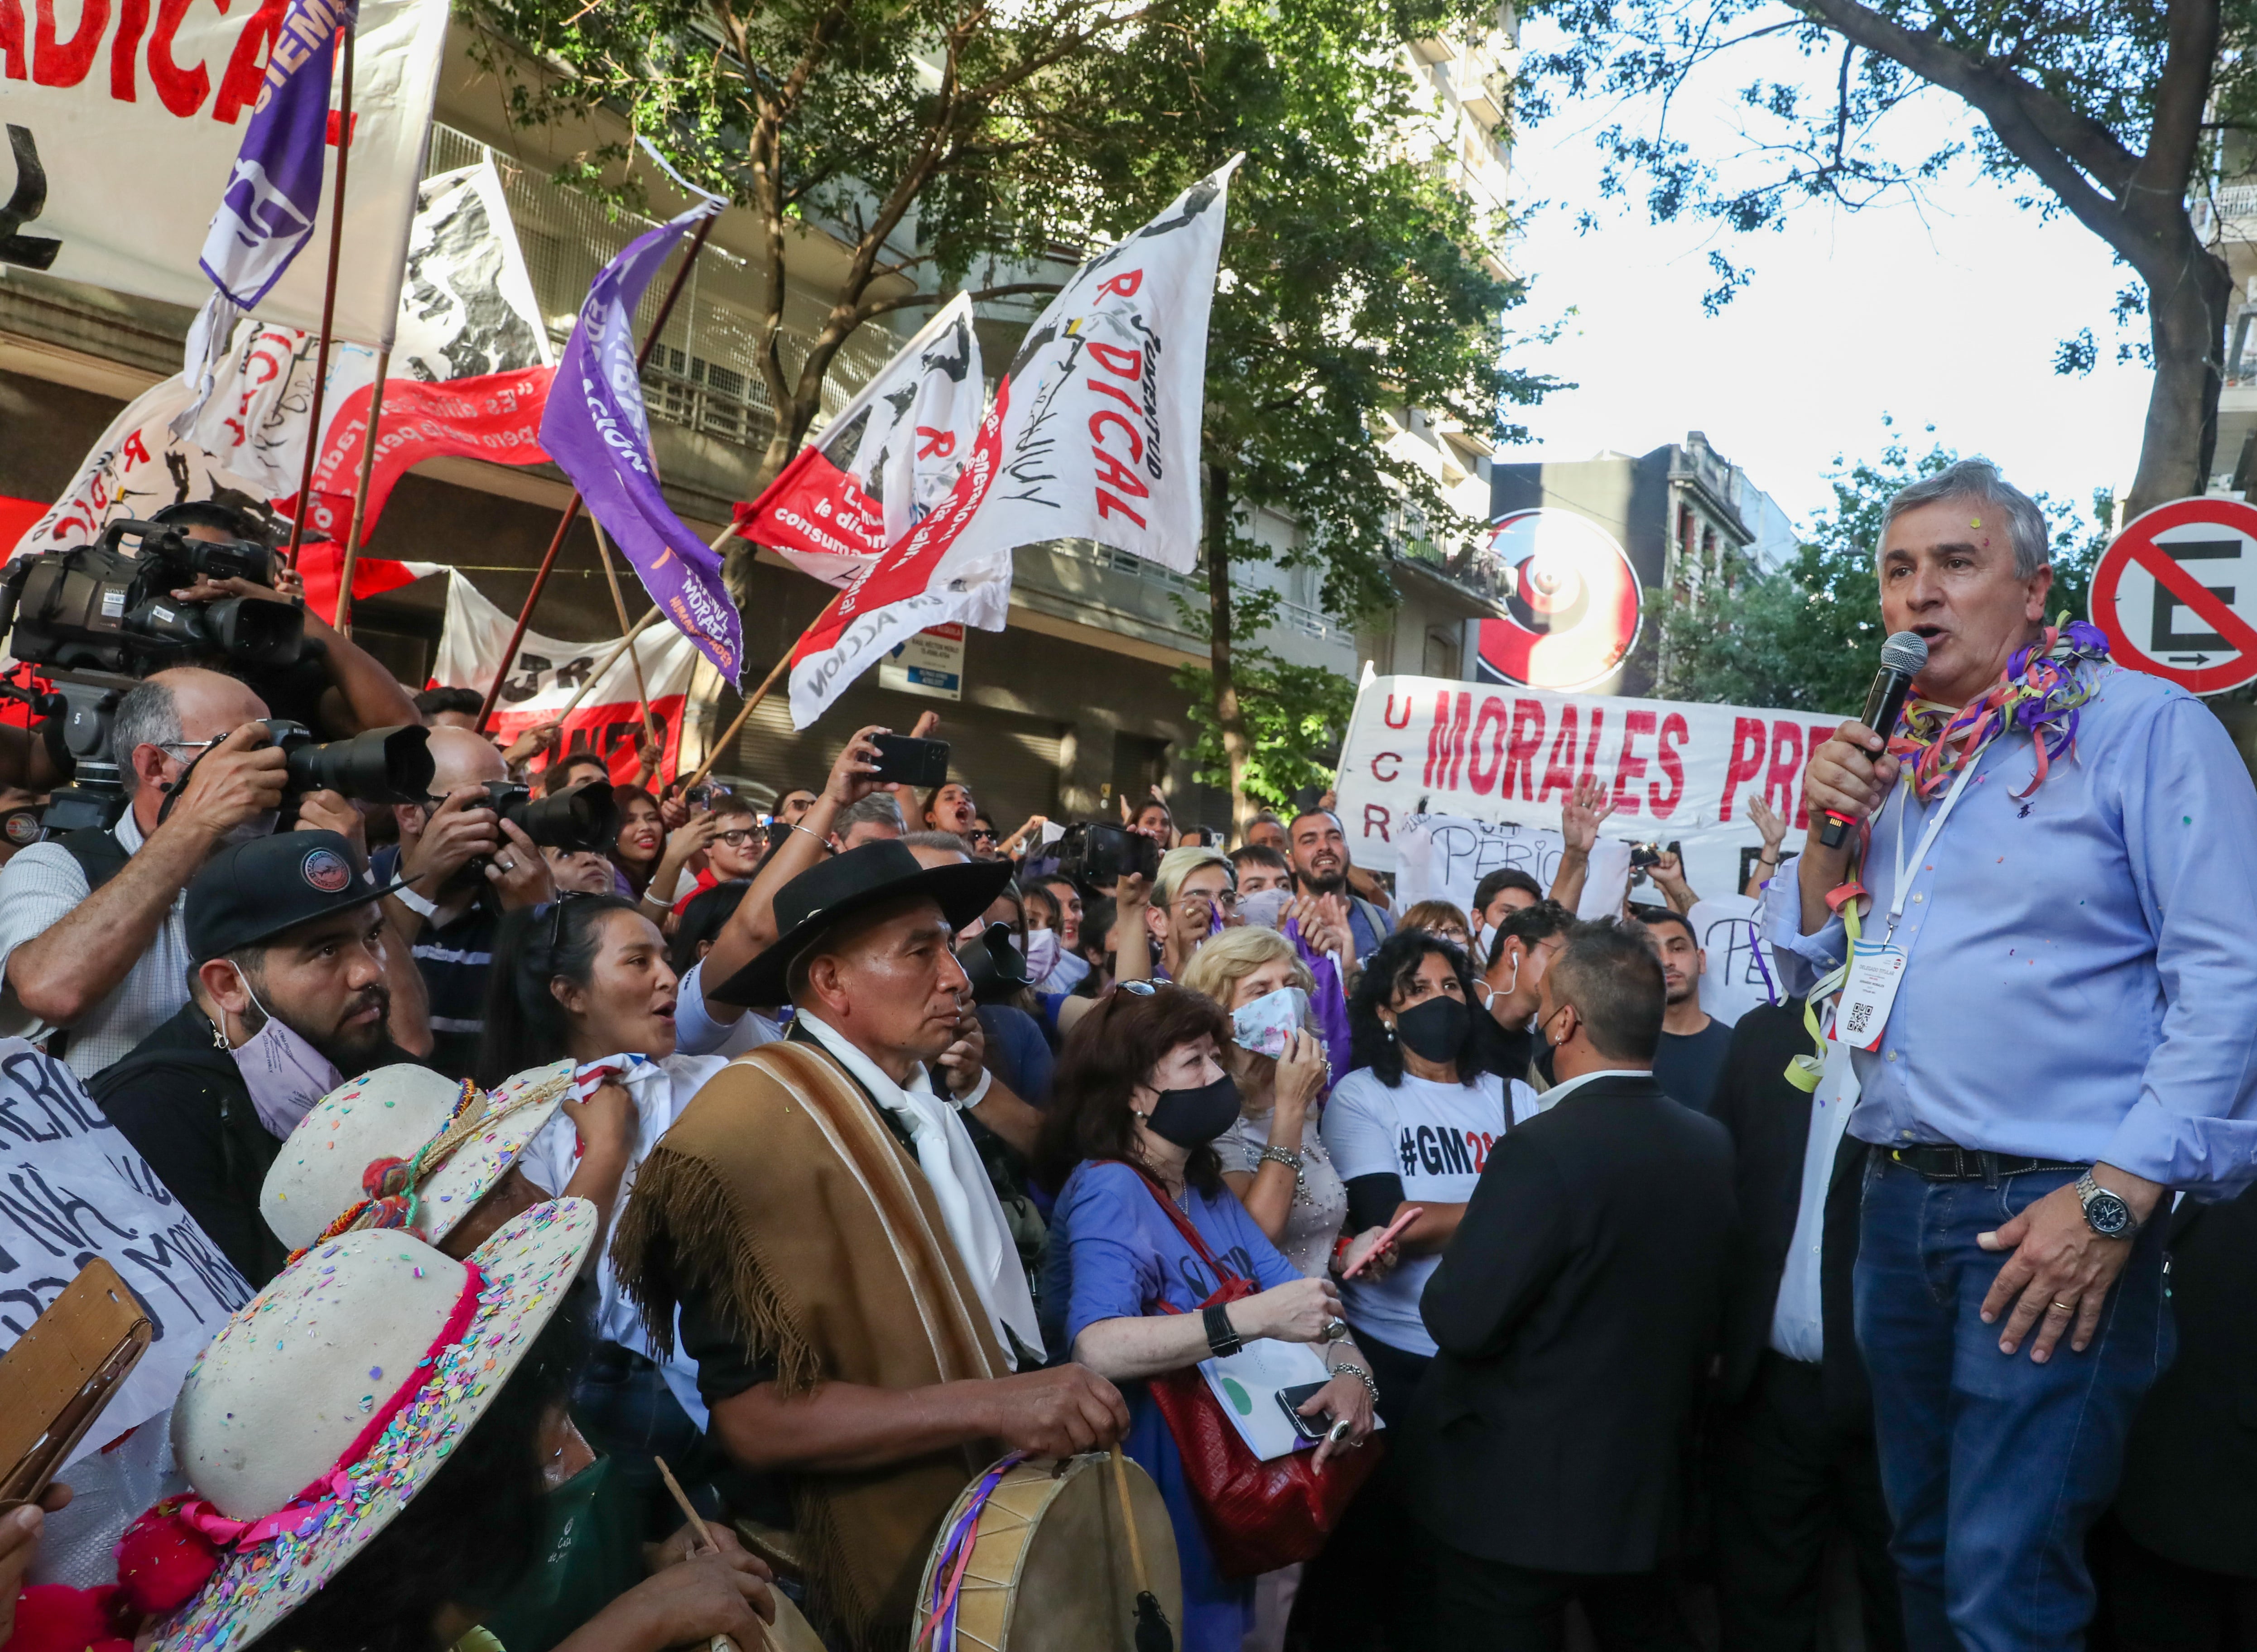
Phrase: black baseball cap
(249, 892)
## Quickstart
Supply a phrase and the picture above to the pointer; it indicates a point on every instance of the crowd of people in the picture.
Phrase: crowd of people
(634, 1244)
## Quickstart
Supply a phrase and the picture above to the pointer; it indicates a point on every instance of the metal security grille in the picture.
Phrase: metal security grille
(704, 376)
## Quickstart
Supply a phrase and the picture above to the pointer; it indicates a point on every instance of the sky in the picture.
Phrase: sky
(1944, 313)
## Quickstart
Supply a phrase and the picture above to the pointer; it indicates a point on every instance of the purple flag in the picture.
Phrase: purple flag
(266, 212)
(596, 430)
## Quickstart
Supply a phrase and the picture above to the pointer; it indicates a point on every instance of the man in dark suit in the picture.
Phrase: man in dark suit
(1576, 1314)
(1793, 1459)
(2175, 1559)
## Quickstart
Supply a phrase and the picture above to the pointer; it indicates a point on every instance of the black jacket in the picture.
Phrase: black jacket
(1577, 1310)
(1770, 1122)
(182, 1102)
(2189, 1485)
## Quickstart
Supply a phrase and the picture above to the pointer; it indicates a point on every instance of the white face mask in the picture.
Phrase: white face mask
(1267, 1026)
(1042, 954)
(285, 1073)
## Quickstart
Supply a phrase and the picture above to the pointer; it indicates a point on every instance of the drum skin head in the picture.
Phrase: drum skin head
(1050, 1568)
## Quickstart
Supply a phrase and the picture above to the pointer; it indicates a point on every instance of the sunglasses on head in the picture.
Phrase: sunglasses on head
(556, 916)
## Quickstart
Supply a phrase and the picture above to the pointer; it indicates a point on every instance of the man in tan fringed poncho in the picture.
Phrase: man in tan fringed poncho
(842, 1269)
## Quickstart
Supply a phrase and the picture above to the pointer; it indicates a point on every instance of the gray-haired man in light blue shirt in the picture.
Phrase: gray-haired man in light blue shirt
(2052, 1011)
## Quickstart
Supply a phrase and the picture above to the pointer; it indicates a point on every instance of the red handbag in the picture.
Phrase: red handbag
(1257, 1516)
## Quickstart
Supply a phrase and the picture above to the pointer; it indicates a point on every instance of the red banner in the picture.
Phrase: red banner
(817, 508)
(496, 416)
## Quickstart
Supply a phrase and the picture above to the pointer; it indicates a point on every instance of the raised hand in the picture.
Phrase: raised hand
(1583, 813)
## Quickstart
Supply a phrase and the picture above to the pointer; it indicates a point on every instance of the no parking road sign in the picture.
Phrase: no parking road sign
(2177, 594)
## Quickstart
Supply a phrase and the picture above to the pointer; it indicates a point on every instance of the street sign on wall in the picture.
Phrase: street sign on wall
(930, 663)
(2177, 594)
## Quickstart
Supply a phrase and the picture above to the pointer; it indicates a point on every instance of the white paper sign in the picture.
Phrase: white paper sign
(1445, 857)
(71, 1188)
(1739, 971)
(1247, 1384)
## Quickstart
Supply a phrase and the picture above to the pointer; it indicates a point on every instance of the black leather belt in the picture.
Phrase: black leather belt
(1943, 1161)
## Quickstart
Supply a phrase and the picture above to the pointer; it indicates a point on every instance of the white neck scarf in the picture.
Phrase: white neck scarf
(959, 1184)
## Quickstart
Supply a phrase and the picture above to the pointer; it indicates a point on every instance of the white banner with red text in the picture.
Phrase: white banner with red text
(1675, 772)
(124, 132)
(549, 673)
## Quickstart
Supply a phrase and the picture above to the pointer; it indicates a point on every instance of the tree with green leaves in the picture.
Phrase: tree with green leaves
(889, 150)
(2108, 113)
(1807, 637)
(1357, 281)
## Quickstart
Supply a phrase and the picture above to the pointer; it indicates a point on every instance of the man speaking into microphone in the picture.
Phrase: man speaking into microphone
(2052, 1006)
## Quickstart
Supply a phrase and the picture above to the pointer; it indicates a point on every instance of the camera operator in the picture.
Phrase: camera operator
(450, 854)
(289, 1000)
(91, 940)
(337, 690)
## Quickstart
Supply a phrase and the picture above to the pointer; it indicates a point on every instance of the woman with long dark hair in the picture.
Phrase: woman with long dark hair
(586, 980)
(1137, 1101)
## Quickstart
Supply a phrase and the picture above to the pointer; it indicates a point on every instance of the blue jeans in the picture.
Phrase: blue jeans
(1994, 1467)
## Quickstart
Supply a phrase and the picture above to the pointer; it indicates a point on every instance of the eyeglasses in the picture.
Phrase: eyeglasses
(187, 745)
(980, 835)
(1225, 899)
(736, 837)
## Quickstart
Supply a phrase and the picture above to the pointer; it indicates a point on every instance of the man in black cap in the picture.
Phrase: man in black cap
(288, 1000)
(822, 1230)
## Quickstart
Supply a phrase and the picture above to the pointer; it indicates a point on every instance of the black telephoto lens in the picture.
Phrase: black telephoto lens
(377, 766)
(252, 632)
(583, 818)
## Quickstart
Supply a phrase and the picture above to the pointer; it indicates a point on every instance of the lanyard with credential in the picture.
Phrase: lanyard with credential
(1865, 984)
(1927, 838)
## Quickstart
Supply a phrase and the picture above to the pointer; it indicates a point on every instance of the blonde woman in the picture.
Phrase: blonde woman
(1272, 1156)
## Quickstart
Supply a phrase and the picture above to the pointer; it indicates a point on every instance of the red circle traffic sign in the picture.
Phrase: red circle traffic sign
(2175, 593)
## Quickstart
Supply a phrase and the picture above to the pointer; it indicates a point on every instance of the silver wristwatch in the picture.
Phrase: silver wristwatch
(2106, 1213)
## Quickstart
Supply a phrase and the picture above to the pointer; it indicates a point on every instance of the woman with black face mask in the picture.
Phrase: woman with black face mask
(1138, 1098)
(1411, 1126)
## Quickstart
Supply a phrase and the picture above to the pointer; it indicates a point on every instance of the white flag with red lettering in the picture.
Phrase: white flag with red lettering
(1094, 434)
(883, 465)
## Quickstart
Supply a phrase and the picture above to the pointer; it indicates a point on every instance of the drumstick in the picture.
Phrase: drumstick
(1152, 1632)
(704, 1537)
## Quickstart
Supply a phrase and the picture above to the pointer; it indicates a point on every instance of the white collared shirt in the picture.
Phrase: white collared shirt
(1568, 1087)
(960, 1183)
(40, 888)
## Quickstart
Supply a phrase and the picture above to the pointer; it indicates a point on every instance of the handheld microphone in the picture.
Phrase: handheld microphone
(1904, 656)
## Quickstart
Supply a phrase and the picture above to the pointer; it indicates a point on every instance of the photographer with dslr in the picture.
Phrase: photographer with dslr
(91, 938)
(334, 689)
(461, 865)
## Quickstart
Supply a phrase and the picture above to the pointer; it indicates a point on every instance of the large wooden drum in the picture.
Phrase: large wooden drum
(1049, 1568)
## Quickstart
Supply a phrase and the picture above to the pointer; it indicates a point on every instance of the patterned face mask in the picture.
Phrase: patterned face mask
(1267, 1026)
(1042, 953)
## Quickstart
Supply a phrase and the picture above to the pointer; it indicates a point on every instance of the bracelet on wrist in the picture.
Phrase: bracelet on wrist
(1222, 1338)
(1348, 1368)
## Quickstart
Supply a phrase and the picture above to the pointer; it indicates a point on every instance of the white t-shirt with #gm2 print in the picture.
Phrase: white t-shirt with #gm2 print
(1437, 1137)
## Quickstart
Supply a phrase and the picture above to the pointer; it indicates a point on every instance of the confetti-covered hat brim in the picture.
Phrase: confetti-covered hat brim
(472, 1169)
(528, 1266)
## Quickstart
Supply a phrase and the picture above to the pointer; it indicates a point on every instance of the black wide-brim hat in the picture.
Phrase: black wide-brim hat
(826, 894)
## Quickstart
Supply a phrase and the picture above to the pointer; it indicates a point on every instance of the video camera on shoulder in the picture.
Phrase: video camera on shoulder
(1093, 853)
(101, 607)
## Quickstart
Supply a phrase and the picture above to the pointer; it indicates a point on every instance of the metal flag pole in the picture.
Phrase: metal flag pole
(343, 620)
(329, 308)
(572, 505)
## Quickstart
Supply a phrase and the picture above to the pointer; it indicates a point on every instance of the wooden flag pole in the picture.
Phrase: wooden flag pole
(619, 606)
(329, 309)
(572, 505)
(751, 706)
(343, 620)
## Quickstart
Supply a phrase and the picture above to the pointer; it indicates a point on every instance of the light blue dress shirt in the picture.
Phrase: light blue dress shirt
(2081, 977)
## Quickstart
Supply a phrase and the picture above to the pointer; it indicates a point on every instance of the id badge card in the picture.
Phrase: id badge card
(1876, 969)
